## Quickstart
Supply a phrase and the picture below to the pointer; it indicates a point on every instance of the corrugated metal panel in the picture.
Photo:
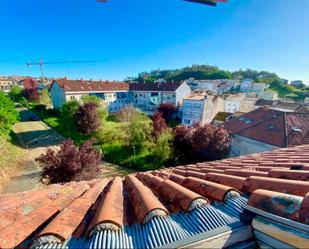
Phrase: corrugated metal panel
(163, 230)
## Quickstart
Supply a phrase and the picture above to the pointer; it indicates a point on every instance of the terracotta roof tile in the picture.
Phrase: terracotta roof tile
(228, 180)
(101, 207)
(284, 205)
(90, 86)
(65, 223)
(272, 127)
(304, 213)
(30, 222)
(145, 203)
(245, 173)
(302, 175)
(275, 184)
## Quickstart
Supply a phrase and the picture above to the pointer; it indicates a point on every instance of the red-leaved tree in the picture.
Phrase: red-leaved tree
(31, 94)
(210, 142)
(87, 119)
(182, 144)
(168, 111)
(159, 125)
(70, 163)
(200, 143)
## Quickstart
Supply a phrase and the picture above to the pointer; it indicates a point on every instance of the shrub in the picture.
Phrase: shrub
(8, 114)
(200, 143)
(87, 119)
(67, 117)
(70, 162)
(127, 114)
(168, 111)
(159, 125)
(31, 94)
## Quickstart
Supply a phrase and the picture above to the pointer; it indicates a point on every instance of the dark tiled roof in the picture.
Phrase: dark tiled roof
(272, 127)
(153, 209)
(264, 102)
(91, 86)
(168, 86)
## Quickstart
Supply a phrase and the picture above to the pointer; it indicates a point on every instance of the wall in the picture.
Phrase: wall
(183, 91)
(193, 111)
(57, 96)
(243, 146)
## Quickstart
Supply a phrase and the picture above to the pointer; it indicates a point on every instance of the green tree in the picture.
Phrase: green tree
(102, 109)
(67, 113)
(45, 98)
(8, 114)
(162, 150)
(16, 93)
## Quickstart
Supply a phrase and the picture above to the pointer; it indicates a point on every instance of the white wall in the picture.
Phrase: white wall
(183, 91)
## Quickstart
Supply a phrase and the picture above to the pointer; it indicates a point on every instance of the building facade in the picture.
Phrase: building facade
(6, 84)
(232, 102)
(201, 108)
(113, 94)
(148, 96)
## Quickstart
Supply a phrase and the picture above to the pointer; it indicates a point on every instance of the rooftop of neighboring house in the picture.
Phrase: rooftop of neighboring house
(287, 105)
(157, 86)
(90, 85)
(264, 102)
(170, 208)
(282, 129)
(235, 96)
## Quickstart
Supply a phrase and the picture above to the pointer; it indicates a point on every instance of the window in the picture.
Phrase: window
(187, 121)
(72, 97)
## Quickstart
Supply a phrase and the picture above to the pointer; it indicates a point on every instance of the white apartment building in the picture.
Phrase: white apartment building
(200, 108)
(232, 102)
(148, 96)
(114, 94)
(5, 84)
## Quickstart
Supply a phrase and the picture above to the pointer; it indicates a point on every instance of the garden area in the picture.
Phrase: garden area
(128, 139)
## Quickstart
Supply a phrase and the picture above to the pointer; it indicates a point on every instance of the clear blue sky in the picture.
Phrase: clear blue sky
(125, 37)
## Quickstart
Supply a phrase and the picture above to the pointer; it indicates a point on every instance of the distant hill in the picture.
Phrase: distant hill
(207, 72)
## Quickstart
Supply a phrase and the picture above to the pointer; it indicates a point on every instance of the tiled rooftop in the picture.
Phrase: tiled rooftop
(160, 208)
(167, 86)
(273, 127)
(91, 86)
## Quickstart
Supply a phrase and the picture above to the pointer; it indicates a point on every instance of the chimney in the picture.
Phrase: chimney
(81, 79)
(90, 80)
(65, 77)
(100, 81)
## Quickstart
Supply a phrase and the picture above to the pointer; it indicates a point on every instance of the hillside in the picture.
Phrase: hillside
(204, 72)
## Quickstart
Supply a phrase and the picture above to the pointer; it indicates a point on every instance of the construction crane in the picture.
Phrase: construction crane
(41, 63)
(206, 2)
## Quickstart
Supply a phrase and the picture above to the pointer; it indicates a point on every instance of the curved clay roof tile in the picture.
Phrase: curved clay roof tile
(109, 213)
(211, 190)
(304, 210)
(301, 175)
(145, 204)
(228, 180)
(244, 173)
(292, 187)
(284, 205)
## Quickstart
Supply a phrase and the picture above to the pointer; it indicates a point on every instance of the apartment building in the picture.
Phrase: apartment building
(6, 84)
(148, 96)
(248, 86)
(114, 94)
(201, 108)
(232, 102)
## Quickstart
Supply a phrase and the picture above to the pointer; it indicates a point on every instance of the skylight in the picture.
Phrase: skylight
(248, 121)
